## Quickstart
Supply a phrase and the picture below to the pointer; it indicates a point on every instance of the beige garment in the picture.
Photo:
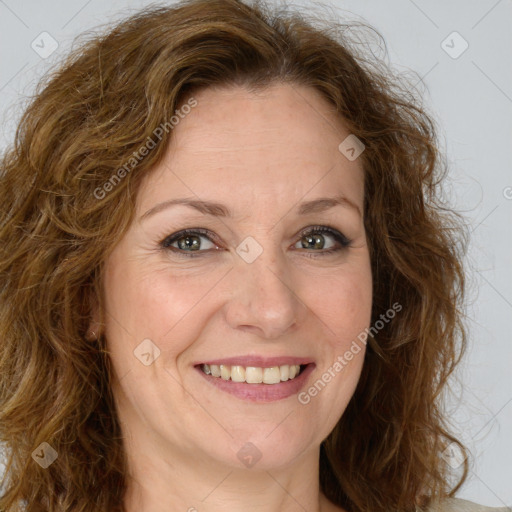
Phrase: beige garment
(460, 505)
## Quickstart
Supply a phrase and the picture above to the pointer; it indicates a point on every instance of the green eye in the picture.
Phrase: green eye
(188, 241)
(314, 238)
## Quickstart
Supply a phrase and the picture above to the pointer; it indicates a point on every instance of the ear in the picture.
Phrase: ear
(94, 329)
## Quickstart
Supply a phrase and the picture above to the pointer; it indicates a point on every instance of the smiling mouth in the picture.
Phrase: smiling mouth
(254, 374)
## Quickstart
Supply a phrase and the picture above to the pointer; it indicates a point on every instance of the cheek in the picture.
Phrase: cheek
(144, 300)
(343, 302)
(343, 305)
(147, 300)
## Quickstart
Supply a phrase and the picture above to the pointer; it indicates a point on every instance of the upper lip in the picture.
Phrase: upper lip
(259, 361)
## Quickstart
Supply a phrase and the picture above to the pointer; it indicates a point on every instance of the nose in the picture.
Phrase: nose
(263, 299)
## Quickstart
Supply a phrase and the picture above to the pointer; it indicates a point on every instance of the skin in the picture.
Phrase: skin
(261, 155)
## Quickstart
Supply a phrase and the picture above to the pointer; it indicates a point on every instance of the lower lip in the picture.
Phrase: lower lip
(260, 392)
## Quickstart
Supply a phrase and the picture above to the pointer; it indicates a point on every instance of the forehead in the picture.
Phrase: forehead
(293, 116)
(281, 142)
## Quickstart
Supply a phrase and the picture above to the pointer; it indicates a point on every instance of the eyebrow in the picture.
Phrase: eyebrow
(219, 210)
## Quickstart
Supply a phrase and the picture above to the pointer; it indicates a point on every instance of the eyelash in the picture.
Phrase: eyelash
(342, 240)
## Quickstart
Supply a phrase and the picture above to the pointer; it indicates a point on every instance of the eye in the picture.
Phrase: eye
(314, 238)
(188, 240)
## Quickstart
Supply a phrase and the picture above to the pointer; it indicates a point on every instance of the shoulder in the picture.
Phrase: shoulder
(460, 505)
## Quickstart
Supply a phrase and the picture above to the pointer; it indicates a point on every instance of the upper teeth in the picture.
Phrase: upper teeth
(252, 374)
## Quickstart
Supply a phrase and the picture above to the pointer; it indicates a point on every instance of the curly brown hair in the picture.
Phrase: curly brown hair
(58, 226)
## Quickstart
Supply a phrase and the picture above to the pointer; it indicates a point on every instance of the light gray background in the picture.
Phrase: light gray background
(470, 97)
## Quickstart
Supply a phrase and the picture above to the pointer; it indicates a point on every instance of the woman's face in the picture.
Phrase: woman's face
(249, 290)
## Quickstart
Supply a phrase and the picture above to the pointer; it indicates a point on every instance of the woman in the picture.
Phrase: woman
(226, 281)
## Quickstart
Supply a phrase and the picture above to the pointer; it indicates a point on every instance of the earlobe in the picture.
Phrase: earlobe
(94, 329)
(91, 335)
